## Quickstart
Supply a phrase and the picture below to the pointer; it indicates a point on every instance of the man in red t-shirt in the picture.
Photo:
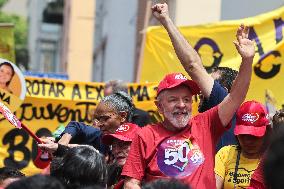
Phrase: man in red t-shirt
(182, 146)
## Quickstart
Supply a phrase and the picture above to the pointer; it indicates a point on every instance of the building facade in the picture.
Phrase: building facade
(120, 28)
(101, 40)
(44, 39)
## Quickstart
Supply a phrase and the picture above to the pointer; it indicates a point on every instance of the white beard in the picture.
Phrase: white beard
(178, 123)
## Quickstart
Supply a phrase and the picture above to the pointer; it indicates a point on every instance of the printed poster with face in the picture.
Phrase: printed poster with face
(12, 85)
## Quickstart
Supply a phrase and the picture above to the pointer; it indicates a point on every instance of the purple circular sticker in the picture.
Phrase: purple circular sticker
(178, 157)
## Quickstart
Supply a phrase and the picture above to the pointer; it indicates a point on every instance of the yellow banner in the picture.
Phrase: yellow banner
(214, 43)
(7, 48)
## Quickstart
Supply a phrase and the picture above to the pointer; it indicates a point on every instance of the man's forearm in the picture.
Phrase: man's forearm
(238, 92)
(131, 183)
(241, 85)
(65, 139)
(189, 58)
(185, 52)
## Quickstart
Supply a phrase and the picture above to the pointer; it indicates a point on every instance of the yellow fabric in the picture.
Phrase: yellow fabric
(10, 100)
(214, 43)
(225, 162)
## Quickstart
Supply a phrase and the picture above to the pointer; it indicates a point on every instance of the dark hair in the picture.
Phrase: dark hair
(278, 120)
(36, 182)
(166, 183)
(120, 101)
(81, 166)
(12, 68)
(274, 162)
(55, 163)
(227, 76)
(10, 172)
(114, 173)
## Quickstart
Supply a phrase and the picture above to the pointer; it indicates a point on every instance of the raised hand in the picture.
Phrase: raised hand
(244, 45)
(160, 11)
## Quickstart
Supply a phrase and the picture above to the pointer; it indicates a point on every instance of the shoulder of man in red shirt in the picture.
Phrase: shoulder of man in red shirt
(257, 178)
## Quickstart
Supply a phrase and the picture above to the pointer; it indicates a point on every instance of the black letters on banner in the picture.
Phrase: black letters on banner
(60, 88)
(4, 97)
(278, 23)
(76, 92)
(140, 95)
(89, 92)
(9, 139)
(217, 54)
(90, 89)
(273, 71)
(58, 111)
(99, 90)
(253, 36)
(44, 88)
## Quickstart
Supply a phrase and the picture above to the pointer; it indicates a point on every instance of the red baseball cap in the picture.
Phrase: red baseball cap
(42, 159)
(251, 119)
(175, 79)
(124, 132)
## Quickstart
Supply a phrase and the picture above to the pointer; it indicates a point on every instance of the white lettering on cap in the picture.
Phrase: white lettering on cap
(180, 76)
(250, 117)
(122, 128)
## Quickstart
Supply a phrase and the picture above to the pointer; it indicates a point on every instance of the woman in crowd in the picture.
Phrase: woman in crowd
(111, 112)
(235, 164)
(6, 74)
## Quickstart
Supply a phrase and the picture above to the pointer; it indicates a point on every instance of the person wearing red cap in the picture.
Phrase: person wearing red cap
(235, 164)
(182, 146)
(120, 142)
(213, 88)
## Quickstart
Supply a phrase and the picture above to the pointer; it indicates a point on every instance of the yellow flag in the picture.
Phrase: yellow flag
(214, 43)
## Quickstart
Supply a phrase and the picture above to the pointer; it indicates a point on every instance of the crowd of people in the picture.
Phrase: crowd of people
(228, 144)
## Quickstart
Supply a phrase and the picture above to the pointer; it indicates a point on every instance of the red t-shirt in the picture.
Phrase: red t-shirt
(257, 178)
(187, 155)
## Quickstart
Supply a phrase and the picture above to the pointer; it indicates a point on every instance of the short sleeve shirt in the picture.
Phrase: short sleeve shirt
(225, 165)
(187, 155)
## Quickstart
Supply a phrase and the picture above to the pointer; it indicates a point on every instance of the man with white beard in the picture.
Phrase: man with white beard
(181, 146)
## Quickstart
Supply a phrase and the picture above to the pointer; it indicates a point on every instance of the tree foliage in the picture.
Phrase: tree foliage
(20, 33)
(2, 2)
